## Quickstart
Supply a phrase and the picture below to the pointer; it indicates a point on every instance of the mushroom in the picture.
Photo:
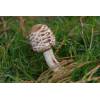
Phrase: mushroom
(42, 39)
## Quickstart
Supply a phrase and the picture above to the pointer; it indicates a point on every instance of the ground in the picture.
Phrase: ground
(77, 49)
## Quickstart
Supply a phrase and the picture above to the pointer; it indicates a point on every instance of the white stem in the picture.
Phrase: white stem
(51, 60)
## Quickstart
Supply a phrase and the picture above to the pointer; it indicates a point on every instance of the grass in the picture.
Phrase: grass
(78, 39)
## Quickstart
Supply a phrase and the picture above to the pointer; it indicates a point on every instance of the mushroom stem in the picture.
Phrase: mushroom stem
(51, 60)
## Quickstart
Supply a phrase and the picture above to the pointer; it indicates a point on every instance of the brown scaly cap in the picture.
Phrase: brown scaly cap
(36, 27)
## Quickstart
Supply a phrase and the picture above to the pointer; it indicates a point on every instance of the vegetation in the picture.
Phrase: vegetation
(77, 49)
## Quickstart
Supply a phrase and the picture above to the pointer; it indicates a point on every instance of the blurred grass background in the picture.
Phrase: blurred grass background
(78, 39)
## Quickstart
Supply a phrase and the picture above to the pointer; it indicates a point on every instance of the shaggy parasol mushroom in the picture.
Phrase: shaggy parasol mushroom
(42, 40)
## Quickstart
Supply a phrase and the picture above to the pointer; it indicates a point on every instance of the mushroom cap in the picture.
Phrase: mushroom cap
(41, 38)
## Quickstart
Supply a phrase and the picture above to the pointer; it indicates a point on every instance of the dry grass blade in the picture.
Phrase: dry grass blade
(60, 76)
(4, 27)
(90, 73)
(22, 24)
(93, 71)
(89, 76)
(85, 63)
